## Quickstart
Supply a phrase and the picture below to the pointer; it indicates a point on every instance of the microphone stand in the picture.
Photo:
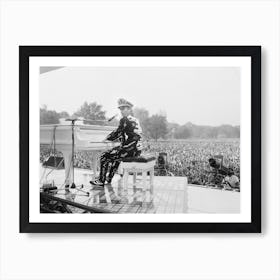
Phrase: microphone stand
(73, 185)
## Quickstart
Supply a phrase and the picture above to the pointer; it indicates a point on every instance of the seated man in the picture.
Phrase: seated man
(129, 132)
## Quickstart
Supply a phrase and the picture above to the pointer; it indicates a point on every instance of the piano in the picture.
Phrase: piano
(86, 137)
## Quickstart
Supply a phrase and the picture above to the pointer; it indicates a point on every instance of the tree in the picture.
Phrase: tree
(91, 111)
(212, 132)
(182, 132)
(143, 116)
(64, 114)
(172, 128)
(229, 131)
(157, 126)
(237, 131)
(48, 116)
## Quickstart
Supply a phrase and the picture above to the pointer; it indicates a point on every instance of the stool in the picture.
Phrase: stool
(134, 165)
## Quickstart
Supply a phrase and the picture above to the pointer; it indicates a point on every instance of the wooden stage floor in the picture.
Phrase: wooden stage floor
(171, 195)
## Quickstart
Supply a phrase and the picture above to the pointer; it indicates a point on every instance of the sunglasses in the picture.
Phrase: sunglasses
(123, 107)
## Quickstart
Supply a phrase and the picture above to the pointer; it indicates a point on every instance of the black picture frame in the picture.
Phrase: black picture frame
(25, 52)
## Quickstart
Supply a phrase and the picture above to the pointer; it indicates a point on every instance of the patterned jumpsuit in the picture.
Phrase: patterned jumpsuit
(129, 133)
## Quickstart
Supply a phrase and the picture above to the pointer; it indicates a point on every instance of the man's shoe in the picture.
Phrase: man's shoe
(97, 182)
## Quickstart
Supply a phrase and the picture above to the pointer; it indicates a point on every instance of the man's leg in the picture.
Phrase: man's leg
(123, 153)
(104, 162)
(107, 159)
(114, 167)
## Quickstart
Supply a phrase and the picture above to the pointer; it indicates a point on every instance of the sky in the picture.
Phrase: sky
(201, 95)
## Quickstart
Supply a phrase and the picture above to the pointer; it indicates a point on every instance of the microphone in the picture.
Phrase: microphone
(110, 119)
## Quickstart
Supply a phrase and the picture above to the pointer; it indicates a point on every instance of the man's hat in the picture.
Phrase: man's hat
(124, 103)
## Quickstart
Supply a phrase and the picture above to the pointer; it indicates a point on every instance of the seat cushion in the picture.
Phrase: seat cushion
(139, 159)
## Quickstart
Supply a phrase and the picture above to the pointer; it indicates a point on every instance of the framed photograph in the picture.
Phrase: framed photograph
(140, 138)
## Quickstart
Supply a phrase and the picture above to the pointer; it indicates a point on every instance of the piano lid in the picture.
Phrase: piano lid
(85, 136)
(80, 126)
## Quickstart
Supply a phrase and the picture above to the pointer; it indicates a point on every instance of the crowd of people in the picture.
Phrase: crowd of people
(184, 158)
(191, 158)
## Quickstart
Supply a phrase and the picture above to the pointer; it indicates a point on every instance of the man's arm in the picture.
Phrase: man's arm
(114, 135)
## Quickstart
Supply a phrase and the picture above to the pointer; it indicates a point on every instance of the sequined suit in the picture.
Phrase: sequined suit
(129, 133)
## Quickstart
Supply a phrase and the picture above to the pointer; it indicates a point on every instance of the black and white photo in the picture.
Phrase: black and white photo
(144, 138)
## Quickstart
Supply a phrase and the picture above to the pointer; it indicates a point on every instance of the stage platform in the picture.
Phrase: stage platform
(171, 195)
